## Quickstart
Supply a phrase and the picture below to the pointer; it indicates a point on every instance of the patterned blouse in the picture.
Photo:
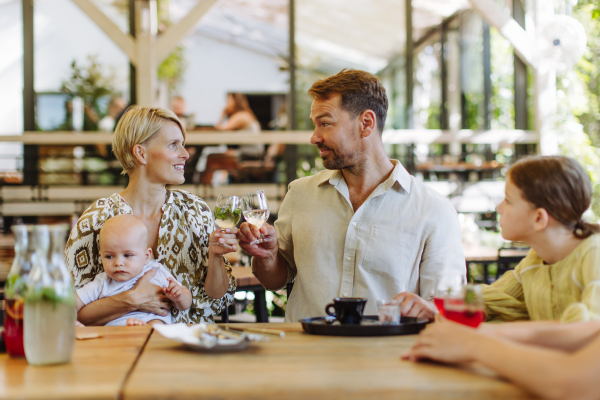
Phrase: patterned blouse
(185, 226)
(568, 290)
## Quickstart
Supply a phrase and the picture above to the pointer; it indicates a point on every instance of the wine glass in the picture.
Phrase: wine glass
(466, 307)
(446, 286)
(256, 211)
(227, 212)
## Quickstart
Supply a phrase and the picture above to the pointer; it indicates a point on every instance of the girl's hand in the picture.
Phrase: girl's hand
(219, 238)
(445, 341)
(174, 291)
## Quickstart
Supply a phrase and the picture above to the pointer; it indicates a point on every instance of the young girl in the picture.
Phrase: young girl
(560, 277)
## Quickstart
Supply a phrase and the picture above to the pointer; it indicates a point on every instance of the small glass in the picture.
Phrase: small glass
(466, 307)
(256, 211)
(389, 312)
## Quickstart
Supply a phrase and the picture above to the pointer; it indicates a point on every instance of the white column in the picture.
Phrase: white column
(147, 68)
(545, 87)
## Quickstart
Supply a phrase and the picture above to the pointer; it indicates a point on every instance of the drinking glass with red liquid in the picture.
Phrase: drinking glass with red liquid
(447, 285)
(14, 290)
(467, 308)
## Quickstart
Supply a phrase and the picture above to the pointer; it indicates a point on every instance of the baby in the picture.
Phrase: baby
(126, 258)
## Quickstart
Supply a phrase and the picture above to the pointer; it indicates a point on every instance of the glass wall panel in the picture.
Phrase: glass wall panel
(427, 89)
(472, 79)
(11, 82)
(502, 76)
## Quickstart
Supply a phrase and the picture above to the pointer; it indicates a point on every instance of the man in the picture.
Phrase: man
(363, 228)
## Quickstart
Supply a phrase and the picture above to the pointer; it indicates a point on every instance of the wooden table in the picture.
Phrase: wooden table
(303, 366)
(97, 371)
(298, 366)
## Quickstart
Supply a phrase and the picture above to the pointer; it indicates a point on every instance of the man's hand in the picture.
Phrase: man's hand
(147, 297)
(174, 291)
(248, 233)
(222, 241)
(412, 305)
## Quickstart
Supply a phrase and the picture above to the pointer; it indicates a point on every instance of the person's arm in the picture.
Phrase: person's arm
(78, 303)
(268, 265)
(237, 121)
(586, 275)
(144, 296)
(551, 334)
(550, 374)
(273, 260)
(217, 279)
(504, 299)
(180, 296)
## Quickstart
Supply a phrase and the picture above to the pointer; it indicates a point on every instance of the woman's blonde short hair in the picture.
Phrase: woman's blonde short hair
(137, 126)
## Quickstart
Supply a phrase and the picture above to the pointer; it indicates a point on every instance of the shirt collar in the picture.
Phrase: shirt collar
(399, 174)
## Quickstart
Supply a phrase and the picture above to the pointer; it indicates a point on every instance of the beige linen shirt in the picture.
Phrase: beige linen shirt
(400, 239)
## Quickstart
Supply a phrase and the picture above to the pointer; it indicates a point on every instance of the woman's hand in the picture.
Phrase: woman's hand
(148, 297)
(220, 237)
(445, 341)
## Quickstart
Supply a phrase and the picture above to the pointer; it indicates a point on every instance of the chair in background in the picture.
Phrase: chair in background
(509, 255)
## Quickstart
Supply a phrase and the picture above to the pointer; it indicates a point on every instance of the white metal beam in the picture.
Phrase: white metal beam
(124, 40)
(508, 27)
(168, 40)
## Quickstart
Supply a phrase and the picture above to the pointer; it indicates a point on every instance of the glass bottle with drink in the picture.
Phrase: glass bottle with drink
(16, 287)
(49, 329)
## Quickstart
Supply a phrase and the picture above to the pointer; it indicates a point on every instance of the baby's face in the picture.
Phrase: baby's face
(123, 254)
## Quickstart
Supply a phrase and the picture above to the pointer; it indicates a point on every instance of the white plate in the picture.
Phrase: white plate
(191, 337)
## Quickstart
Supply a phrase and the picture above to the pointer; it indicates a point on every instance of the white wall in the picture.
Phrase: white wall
(216, 68)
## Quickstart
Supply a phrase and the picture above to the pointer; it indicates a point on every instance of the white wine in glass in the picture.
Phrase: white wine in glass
(227, 212)
(256, 211)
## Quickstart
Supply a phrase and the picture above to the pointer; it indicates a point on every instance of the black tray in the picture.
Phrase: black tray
(369, 327)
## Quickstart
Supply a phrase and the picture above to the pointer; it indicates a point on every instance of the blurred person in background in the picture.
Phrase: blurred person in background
(115, 107)
(236, 116)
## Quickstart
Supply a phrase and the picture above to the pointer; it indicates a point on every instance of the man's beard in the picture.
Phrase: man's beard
(335, 160)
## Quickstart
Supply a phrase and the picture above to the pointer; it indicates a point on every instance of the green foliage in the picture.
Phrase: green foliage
(225, 213)
(89, 83)
(172, 68)
(578, 92)
(47, 294)
(473, 110)
(502, 77)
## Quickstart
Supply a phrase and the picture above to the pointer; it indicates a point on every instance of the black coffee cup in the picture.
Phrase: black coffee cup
(347, 310)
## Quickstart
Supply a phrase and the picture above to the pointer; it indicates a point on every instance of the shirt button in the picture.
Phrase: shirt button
(348, 258)
(354, 224)
(345, 295)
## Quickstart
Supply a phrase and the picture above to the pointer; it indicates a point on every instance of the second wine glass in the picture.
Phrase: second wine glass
(256, 211)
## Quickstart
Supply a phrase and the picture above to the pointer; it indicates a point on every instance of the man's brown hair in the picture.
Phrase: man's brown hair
(559, 185)
(360, 91)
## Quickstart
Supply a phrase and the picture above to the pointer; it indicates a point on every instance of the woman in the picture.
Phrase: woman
(552, 360)
(237, 116)
(149, 143)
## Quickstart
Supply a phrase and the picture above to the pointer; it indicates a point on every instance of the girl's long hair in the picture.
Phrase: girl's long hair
(559, 185)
